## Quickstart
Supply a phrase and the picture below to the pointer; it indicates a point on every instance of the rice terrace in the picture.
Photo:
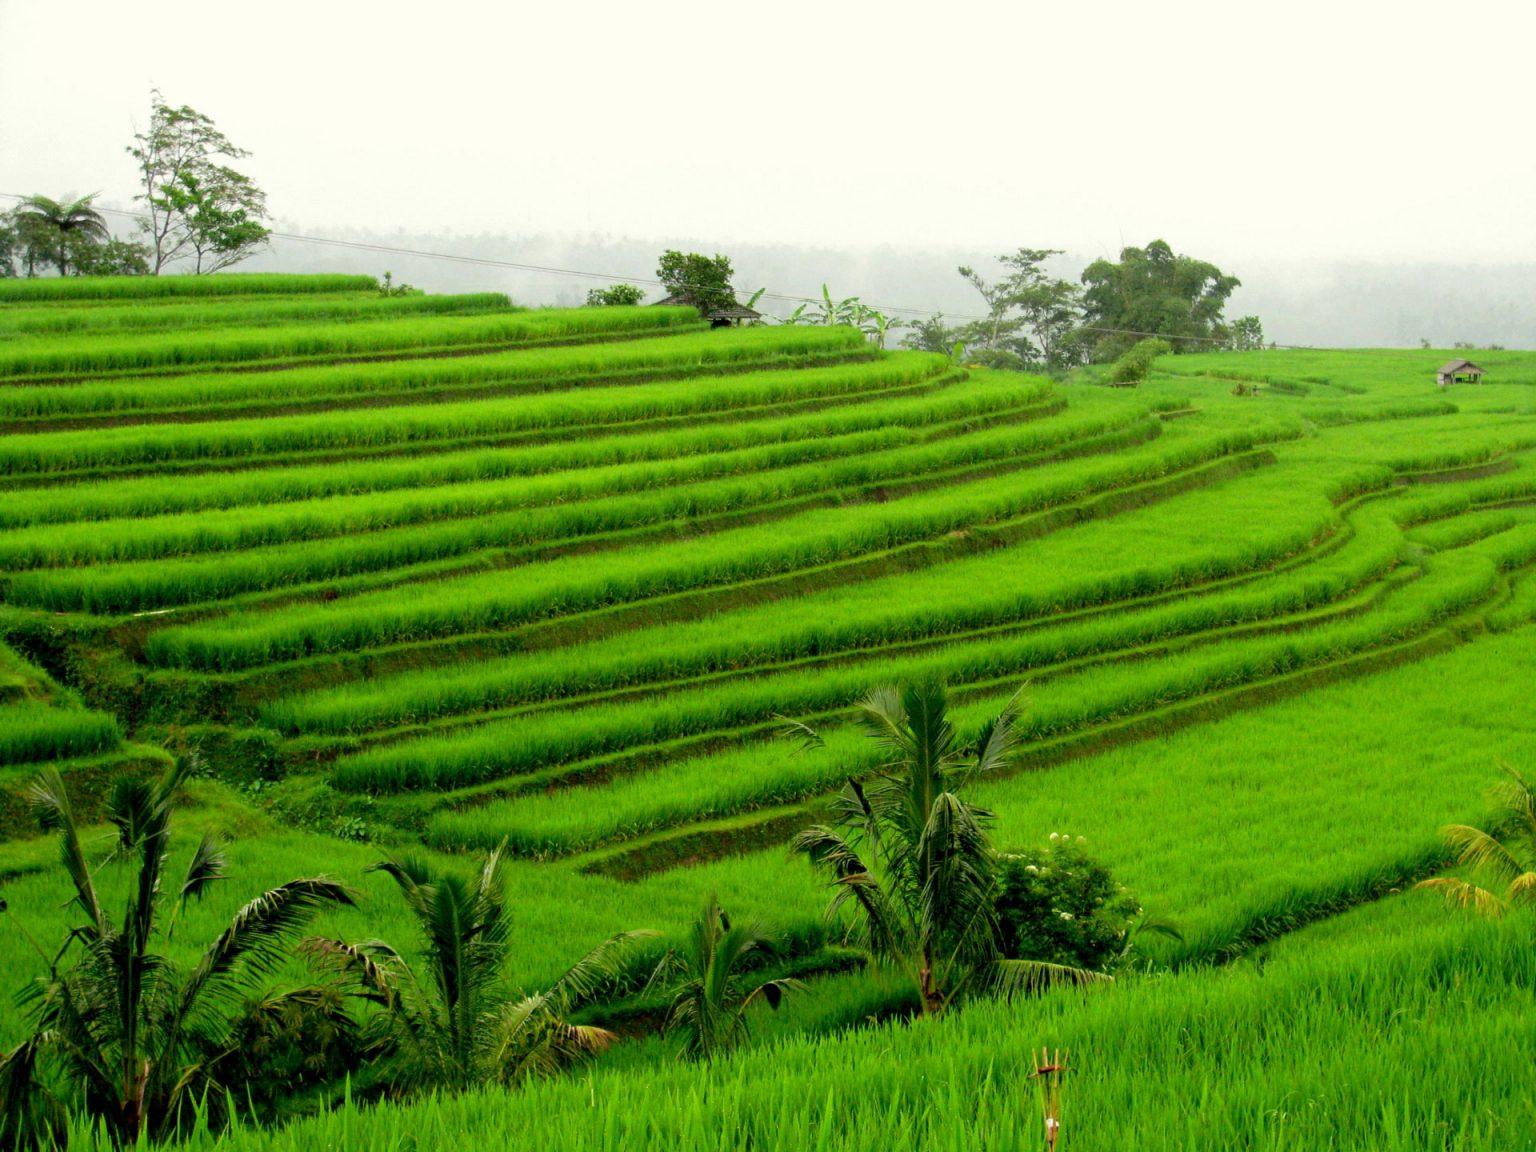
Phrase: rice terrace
(606, 602)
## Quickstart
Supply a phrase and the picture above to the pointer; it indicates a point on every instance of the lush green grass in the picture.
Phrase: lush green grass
(707, 449)
(231, 311)
(503, 371)
(76, 289)
(1413, 1038)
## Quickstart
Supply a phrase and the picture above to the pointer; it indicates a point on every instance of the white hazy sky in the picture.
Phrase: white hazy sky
(1378, 130)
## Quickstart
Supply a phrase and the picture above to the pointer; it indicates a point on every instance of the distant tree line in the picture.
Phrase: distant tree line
(200, 214)
(1038, 321)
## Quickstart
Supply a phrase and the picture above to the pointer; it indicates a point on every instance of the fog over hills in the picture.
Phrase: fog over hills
(1326, 304)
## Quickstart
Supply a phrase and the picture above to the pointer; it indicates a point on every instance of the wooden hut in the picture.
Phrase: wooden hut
(1458, 372)
(733, 315)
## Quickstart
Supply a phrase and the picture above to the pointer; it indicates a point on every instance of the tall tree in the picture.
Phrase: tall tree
(914, 857)
(1030, 314)
(703, 281)
(56, 229)
(140, 1042)
(1154, 292)
(195, 204)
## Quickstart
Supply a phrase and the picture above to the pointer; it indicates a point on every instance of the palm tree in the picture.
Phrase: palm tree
(50, 225)
(1507, 852)
(459, 1027)
(712, 995)
(138, 1041)
(915, 858)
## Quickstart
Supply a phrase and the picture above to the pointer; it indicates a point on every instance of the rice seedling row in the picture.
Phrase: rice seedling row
(20, 321)
(193, 351)
(519, 595)
(234, 441)
(75, 290)
(780, 441)
(672, 490)
(501, 372)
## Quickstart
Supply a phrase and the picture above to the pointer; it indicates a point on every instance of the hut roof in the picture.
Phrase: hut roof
(734, 311)
(1459, 366)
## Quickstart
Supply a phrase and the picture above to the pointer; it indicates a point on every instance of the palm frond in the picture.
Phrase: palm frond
(1013, 976)
(599, 968)
(208, 864)
(258, 932)
(1482, 852)
(48, 800)
(1460, 894)
(806, 738)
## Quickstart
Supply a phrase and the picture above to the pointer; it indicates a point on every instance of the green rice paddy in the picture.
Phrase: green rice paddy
(447, 574)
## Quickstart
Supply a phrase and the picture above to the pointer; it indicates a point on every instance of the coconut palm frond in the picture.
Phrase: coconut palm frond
(256, 937)
(806, 737)
(1462, 895)
(208, 865)
(30, 1115)
(48, 800)
(1482, 852)
(1522, 889)
(600, 968)
(1014, 976)
(372, 966)
(997, 740)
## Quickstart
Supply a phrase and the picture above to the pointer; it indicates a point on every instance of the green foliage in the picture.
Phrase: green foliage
(711, 983)
(1133, 367)
(140, 1044)
(703, 281)
(58, 231)
(389, 289)
(1246, 334)
(1153, 292)
(914, 859)
(615, 296)
(1058, 904)
(197, 207)
(455, 1025)
(1030, 316)
(1505, 852)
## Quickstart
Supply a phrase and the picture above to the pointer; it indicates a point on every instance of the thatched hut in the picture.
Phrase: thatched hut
(1458, 372)
(734, 314)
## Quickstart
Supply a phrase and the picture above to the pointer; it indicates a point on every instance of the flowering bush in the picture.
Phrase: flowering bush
(1059, 905)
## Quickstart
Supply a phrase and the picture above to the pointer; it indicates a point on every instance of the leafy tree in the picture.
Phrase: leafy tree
(1505, 852)
(1246, 334)
(12, 248)
(54, 230)
(703, 281)
(615, 295)
(117, 257)
(1060, 905)
(458, 1026)
(713, 991)
(931, 335)
(195, 204)
(1153, 292)
(915, 859)
(138, 1042)
(1030, 314)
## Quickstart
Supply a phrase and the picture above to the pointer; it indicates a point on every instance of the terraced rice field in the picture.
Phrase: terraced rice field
(442, 572)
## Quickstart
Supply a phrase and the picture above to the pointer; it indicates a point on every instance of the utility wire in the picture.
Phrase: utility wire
(488, 262)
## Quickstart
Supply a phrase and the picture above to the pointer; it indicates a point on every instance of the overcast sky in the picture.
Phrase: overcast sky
(1394, 131)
